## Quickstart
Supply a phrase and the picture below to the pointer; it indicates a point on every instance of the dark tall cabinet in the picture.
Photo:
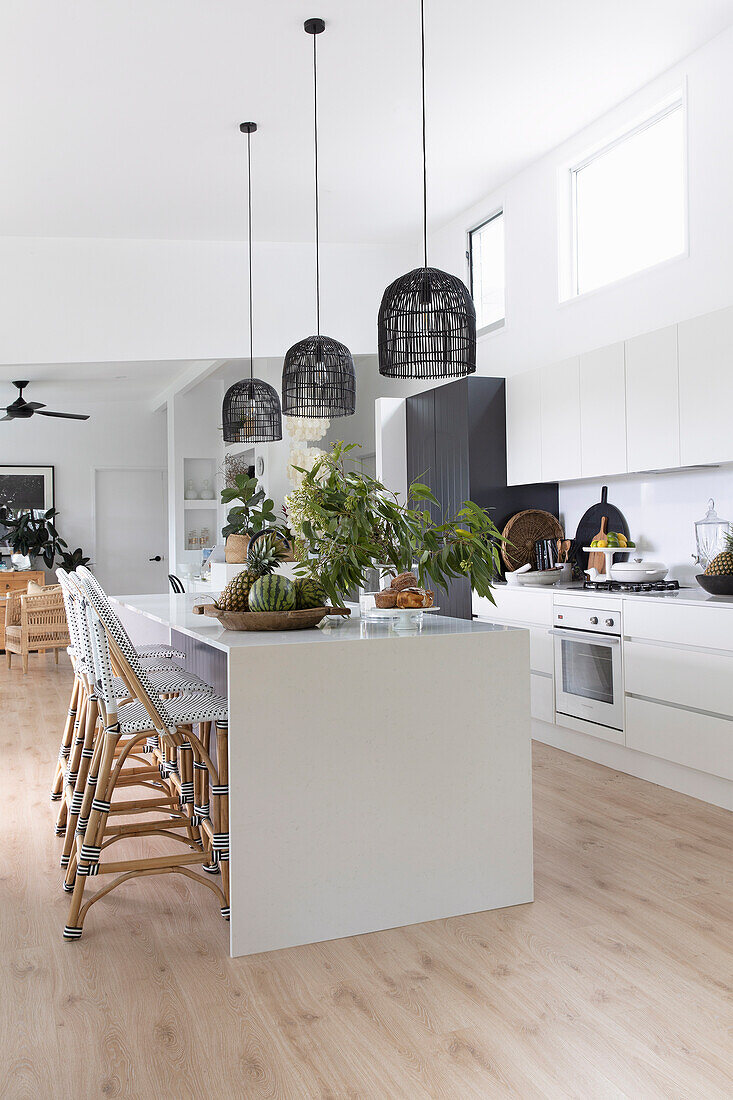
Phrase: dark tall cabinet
(456, 444)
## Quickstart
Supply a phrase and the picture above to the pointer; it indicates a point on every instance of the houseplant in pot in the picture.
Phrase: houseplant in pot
(33, 536)
(254, 512)
(346, 523)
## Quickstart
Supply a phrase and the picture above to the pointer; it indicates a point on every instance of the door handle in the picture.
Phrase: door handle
(156, 558)
(570, 634)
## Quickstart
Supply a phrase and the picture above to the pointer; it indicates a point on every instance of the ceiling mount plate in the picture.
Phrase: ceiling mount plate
(247, 127)
(314, 26)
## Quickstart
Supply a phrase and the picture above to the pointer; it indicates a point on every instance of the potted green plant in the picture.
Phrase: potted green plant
(33, 536)
(254, 512)
(346, 523)
(70, 559)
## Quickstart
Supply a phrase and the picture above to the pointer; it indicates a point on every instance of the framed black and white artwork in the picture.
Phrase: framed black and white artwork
(25, 489)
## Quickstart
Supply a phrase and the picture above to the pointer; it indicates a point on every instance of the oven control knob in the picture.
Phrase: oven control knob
(609, 622)
(594, 620)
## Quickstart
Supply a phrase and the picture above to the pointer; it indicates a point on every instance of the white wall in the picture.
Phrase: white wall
(539, 330)
(82, 300)
(661, 510)
(118, 434)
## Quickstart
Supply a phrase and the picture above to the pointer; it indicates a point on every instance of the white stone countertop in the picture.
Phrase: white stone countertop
(176, 612)
(696, 595)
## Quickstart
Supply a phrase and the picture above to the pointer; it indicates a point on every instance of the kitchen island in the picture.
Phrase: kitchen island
(376, 779)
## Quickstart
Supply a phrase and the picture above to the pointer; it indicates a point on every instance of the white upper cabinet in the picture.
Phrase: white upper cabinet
(560, 389)
(652, 401)
(706, 388)
(523, 428)
(603, 412)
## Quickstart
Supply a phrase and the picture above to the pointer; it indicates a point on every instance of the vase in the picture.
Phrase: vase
(235, 549)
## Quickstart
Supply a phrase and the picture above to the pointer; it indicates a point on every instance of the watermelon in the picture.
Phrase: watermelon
(272, 593)
(309, 593)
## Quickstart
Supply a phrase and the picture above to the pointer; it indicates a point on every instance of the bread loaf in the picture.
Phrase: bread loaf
(404, 580)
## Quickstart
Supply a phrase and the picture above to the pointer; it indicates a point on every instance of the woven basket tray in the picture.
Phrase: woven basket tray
(269, 620)
(523, 531)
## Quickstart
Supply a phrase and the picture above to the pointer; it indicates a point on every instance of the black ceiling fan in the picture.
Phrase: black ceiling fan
(24, 410)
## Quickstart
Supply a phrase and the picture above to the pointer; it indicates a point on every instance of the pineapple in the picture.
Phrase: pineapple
(722, 564)
(263, 557)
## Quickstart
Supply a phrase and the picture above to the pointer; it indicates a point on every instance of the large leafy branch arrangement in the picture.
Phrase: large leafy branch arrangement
(346, 522)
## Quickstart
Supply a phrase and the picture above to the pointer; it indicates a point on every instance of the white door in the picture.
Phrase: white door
(131, 528)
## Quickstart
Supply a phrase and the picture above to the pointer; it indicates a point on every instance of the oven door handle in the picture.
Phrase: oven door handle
(568, 633)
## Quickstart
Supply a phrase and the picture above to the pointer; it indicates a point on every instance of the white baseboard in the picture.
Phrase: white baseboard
(708, 788)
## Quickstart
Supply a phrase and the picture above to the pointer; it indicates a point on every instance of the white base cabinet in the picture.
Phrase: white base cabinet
(700, 741)
(678, 684)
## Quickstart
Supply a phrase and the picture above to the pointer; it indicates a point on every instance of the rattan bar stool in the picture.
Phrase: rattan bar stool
(126, 727)
(167, 682)
(156, 658)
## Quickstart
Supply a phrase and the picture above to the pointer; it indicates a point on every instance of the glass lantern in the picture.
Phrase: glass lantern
(710, 532)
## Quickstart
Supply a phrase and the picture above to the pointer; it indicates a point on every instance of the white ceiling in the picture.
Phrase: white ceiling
(120, 119)
(62, 382)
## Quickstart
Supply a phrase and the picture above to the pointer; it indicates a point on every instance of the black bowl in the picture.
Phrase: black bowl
(716, 586)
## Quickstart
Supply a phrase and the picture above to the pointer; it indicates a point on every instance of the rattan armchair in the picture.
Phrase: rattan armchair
(35, 623)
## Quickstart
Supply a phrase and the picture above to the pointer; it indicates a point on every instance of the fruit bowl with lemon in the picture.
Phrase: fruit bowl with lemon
(609, 545)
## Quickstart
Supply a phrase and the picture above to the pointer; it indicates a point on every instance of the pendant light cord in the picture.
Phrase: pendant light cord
(424, 153)
(315, 144)
(249, 236)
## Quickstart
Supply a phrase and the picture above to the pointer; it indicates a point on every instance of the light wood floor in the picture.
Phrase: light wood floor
(616, 982)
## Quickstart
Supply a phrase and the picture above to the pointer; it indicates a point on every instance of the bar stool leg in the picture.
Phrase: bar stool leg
(73, 765)
(88, 847)
(76, 797)
(220, 799)
(58, 780)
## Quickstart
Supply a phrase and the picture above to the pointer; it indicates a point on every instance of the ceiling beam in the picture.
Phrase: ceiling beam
(193, 374)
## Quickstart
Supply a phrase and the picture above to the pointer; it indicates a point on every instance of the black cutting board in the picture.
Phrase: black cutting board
(590, 525)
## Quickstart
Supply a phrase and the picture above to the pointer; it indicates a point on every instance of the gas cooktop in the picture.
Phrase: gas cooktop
(632, 586)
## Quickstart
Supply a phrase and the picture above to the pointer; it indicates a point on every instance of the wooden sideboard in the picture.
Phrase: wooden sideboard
(15, 582)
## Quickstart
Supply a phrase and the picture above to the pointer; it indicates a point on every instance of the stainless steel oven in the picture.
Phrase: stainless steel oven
(588, 670)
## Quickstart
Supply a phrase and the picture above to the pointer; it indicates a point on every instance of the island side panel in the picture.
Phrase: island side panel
(203, 660)
(376, 784)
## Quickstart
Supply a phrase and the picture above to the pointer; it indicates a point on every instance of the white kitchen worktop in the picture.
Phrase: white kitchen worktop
(694, 595)
(176, 612)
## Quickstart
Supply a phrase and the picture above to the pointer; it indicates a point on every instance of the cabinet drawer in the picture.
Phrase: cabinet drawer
(18, 582)
(704, 626)
(542, 703)
(695, 740)
(686, 677)
(520, 605)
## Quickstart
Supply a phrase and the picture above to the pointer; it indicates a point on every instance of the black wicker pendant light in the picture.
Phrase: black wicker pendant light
(427, 320)
(318, 374)
(251, 410)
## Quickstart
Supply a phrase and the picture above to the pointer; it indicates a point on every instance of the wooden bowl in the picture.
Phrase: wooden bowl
(269, 620)
(716, 586)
